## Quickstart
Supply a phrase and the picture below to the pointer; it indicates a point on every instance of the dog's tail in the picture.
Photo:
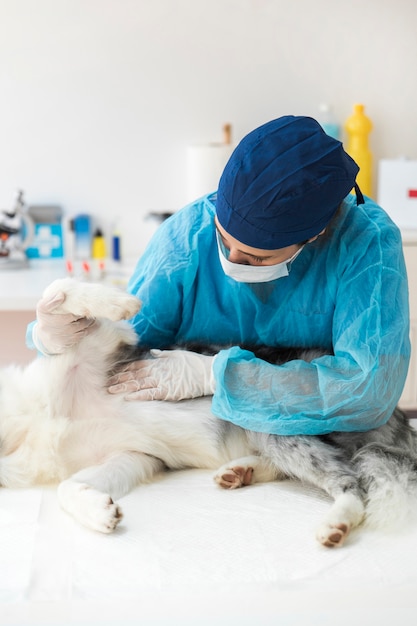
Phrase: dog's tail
(388, 476)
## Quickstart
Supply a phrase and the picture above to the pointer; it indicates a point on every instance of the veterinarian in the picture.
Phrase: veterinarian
(282, 254)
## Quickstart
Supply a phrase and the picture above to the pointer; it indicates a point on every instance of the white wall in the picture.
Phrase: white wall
(100, 98)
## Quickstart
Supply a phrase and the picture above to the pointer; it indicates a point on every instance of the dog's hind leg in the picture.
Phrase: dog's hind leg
(346, 513)
(388, 476)
(90, 494)
(310, 460)
(246, 471)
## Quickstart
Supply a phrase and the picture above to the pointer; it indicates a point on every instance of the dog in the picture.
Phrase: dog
(59, 424)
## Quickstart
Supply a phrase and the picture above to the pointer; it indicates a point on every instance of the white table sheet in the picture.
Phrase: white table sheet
(188, 552)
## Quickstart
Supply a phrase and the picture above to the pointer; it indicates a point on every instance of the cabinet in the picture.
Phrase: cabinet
(13, 326)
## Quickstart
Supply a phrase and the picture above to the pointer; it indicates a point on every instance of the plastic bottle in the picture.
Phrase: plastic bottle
(82, 230)
(358, 126)
(99, 245)
(116, 247)
(116, 243)
(328, 122)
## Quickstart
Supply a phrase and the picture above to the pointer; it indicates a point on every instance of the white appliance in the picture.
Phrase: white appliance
(397, 191)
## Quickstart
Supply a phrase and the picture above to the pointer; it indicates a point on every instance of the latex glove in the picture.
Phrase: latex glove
(53, 332)
(170, 375)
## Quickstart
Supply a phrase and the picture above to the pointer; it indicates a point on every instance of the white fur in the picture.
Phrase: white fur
(59, 424)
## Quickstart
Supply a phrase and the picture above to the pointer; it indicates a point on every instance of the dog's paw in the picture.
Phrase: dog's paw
(91, 508)
(105, 514)
(120, 306)
(92, 300)
(346, 513)
(333, 536)
(234, 477)
(246, 471)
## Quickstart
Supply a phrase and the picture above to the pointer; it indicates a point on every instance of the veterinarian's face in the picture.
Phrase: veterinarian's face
(245, 255)
(253, 265)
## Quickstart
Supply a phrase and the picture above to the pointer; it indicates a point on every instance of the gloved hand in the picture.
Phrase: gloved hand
(54, 333)
(170, 375)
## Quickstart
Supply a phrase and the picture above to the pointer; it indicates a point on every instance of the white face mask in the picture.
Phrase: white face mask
(253, 273)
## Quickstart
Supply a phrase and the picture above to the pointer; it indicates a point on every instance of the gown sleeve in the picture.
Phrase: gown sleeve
(357, 388)
(164, 276)
(154, 282)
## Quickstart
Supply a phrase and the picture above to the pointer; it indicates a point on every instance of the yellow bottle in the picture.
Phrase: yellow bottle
(358, 126)
(99, 245)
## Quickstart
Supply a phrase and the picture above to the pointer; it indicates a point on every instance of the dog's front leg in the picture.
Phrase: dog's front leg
(89, 495)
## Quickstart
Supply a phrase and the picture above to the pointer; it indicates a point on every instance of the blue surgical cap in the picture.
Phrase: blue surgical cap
(283, 183)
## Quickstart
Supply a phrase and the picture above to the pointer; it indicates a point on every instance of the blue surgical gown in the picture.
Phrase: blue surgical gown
(346, 292)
